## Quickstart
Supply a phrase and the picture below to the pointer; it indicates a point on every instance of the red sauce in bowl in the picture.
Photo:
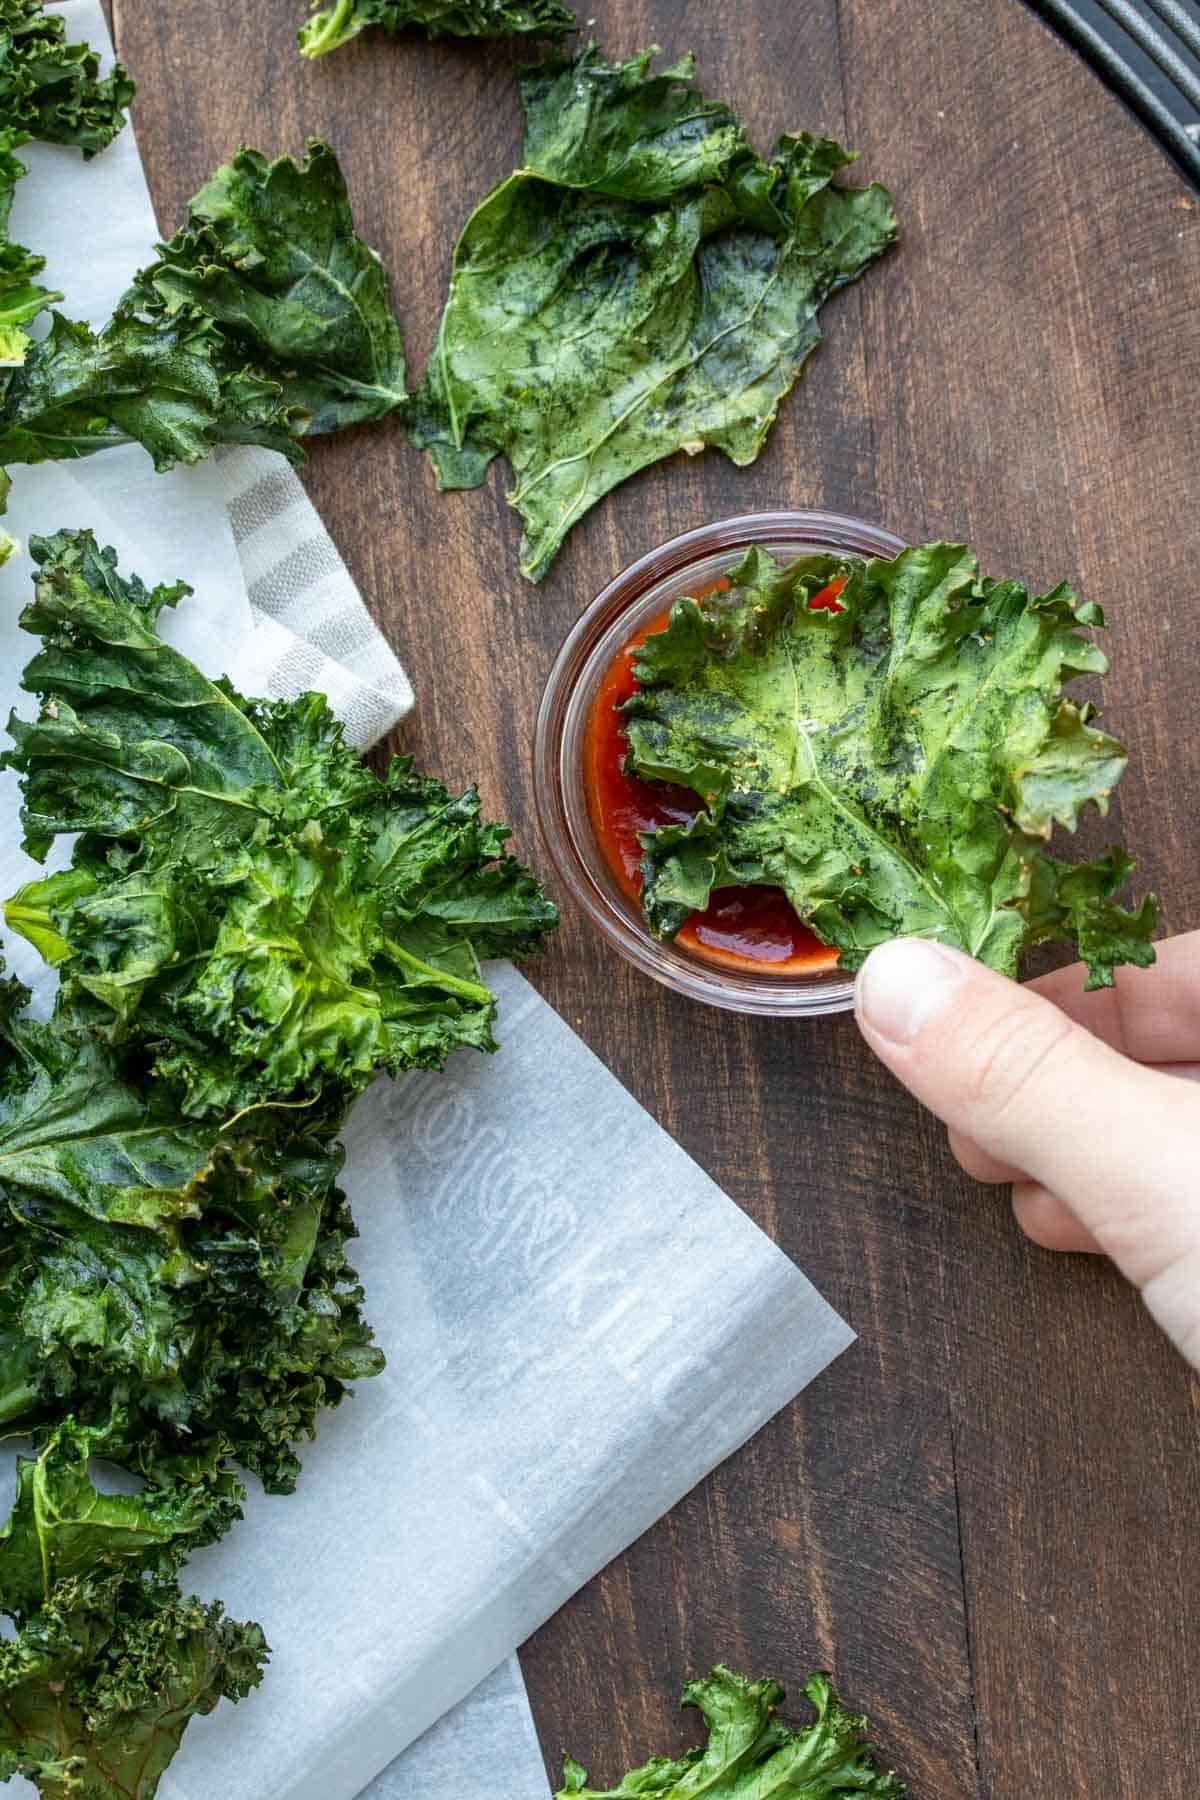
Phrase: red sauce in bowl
(741, 928)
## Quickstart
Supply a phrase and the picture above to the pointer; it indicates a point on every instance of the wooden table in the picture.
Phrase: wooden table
(985, 1517)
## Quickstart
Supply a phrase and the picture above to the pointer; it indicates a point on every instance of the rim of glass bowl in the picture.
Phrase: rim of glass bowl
(642, 589)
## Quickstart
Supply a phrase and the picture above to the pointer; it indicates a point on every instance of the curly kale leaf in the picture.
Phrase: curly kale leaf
(169, 386)
(21, 299)
(265, 319)
(51, 89)
(268, 918)
(194, 1277)
(63, 1529)
(252, 925)
(644, 283)
(896, 766)
(749, 1753)
(107, 1661)
(335, 25)
(270, 255)
(96, 1693)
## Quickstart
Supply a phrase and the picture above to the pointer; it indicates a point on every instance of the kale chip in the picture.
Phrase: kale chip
(896, 764)
(265, 319)
(107, 1660)
(335, 25)
(52, 90)
(644, 283)
(750, 1754)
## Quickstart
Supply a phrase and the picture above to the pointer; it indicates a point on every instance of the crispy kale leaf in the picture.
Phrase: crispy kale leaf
(897, 766)
(107, 1660)
(21, 299)
(195, 1277)
(336, 25)
(183, 1293)
(171, 386)
(63, 1529)
(51, 89)
(249, 902)
(270, 255)
(644, 283)
(749, 1753)
(264, 319)
(97, 1691)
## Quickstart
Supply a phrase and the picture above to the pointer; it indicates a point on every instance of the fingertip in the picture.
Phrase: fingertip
(902, 985)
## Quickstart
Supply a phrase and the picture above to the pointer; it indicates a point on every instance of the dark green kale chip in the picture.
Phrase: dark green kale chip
(896, 766)
(264, 320)
(332, 26)
(51, 89)
(107, 1660)
(269, 918)
(644, 283)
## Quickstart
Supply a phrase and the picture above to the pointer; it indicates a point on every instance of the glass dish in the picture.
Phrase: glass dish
(684, 566)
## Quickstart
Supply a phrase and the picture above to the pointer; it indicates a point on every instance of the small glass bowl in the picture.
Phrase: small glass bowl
(684, 566)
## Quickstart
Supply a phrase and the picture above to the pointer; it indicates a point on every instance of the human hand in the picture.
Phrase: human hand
(1075, 1098)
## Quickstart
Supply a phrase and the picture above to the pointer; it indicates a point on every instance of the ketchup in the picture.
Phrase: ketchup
(741, 927)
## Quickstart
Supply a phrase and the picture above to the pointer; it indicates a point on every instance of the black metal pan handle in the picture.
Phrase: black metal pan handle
(1147, 53)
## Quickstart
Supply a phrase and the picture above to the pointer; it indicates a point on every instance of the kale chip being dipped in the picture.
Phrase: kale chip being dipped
(895, 764)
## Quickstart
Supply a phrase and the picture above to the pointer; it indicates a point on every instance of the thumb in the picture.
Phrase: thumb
(1120, 1144)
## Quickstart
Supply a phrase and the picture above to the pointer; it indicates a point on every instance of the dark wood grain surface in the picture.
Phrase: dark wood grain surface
(985, 1517)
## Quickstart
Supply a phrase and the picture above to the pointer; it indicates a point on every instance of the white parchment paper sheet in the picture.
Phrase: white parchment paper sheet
(579, 1324)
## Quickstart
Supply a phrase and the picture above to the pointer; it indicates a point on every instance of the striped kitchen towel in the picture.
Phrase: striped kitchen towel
(311, 628)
